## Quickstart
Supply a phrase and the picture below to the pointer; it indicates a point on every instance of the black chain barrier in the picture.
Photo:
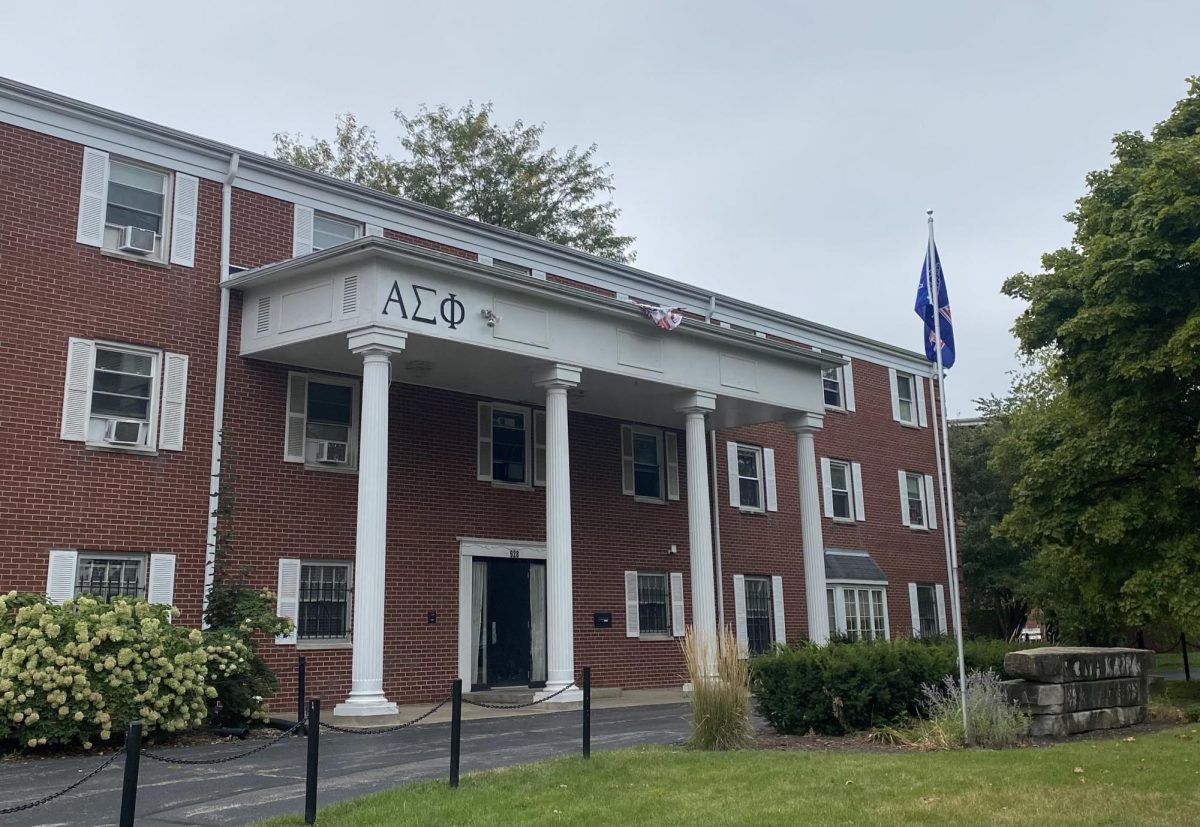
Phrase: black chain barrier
(386, 730)
(224, 759)
(520, 706)
(30, 805)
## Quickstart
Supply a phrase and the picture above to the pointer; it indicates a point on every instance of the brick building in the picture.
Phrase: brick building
(460, 451)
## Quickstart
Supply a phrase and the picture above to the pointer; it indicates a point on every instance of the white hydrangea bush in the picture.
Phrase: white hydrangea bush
(78, 672)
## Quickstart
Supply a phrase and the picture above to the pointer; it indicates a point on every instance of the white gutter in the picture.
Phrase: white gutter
(210, 543)
(716, 523)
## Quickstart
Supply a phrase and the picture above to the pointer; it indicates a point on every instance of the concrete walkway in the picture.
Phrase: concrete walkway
(271, 782)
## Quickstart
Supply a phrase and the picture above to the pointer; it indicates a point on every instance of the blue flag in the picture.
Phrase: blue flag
(924, 308)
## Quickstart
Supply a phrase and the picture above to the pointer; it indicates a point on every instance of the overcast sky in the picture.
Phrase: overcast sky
(784, 153)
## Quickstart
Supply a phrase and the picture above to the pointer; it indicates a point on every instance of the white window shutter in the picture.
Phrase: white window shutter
(93, 198)
(671, 441)
(904, 498)
(60, 576)
(483, 443)
(860, 512)
(160, 584)
(373, 229)
(895, 394)
(288, 598)
(739, 615)
(827, 486)
(731, 457)
(302, 230)
(941, 608)
(77, 395)
(777, 607)
(627, 459)
(174, 401)
(184, 216)
(769, 478)
(677, 619)
(920, 389)
(914, 610)
(539, 448)
(930, 503)
(848, 384)
(632, 620)
(297, 418)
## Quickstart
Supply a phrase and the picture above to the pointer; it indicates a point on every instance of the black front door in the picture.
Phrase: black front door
(509, 650)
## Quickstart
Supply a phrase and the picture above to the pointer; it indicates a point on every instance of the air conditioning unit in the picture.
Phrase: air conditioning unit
(332, 452)
(138, 241)
(123, 431)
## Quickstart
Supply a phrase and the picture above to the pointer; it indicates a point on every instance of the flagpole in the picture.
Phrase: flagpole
(948, 492)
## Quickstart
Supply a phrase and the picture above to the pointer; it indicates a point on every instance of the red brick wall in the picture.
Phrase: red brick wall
(58, 494)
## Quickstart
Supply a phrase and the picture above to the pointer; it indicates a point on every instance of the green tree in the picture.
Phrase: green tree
(1107, 491)
(467, 164)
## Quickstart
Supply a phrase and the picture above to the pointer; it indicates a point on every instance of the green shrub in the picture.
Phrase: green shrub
(721, 704)
(238, 674)
(846, 686)
(1193, 713)
(75, 673)
(994, 720)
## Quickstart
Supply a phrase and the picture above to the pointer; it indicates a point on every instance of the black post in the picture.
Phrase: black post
(587, 712)
(310, 776)
(1141, 639)
(455, 730)
(1187, 669)
(301, 701)
(133, 756)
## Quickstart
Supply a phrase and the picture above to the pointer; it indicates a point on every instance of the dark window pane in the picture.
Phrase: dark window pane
(124, 362)
(107, 577)
(748, 493)
(508, 446)
(652, 603)
(645, 449)
(759, 614)
(841, 504)
(645, 481)
(123, 407)
(122, 383)
(927, 610)
(332, 404)
(748, 463)
(126, 217)
(324, 602)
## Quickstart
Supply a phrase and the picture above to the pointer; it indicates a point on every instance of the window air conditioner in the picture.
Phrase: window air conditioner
(123, 431)
(136, 240)
(332, 452)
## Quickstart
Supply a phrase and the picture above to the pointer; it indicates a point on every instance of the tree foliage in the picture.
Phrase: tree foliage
(464, 162)
(1107, 490)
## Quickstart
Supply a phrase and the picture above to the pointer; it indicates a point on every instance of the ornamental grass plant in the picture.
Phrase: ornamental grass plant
(720, 702)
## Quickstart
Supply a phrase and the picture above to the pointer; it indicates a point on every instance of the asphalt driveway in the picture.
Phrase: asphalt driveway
(271, 782)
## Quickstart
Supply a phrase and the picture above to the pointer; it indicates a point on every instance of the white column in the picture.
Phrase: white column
(376, 346)
(560, 626)
(704, 612)
(804, 426)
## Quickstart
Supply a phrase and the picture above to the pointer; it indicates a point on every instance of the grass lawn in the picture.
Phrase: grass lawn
(1174, 661)
(1151, 779)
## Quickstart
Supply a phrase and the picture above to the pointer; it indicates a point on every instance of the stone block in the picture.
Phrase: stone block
(1070, 723)
(1056, 698)
(1068, 664)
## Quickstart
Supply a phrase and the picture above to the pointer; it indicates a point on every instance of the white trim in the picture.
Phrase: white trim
(174, 401)
(780, 617)
(739, 615)
(731, 469)
(735, 478)
(160, 579)
(848, 390)
(768, 479)
(671, 457)
(904, 518)
(287, 597)
(827, 467)
(914, 609)
(894, 383)
(919, 393)
(678, 621)
(939, 594)
(62, 567)
(827, 485)
(184, 219)
(93, 198)
(77, 389)
(302, 230)
(860, 509)
(929, 503)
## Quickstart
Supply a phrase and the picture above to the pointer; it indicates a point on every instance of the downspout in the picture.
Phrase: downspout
(210, 543)
(716, 523)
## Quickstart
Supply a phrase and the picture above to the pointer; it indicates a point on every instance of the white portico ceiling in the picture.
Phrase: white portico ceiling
(485, 331)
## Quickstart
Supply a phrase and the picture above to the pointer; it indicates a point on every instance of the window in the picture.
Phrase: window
(831, 382)
(647, 458)
(328, 231)
(510, 450)
(914, 499)
(137, 198)
(749, 472)
(906, 398)
(322, 422)
(324, 604)
(839, 485)
(760, 614)
(649, 463)
(653, 617)
(107, 576)
(927, 610)
(122, 396)
(857, 612)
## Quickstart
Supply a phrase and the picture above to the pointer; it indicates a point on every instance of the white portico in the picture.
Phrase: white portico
(391, 312)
